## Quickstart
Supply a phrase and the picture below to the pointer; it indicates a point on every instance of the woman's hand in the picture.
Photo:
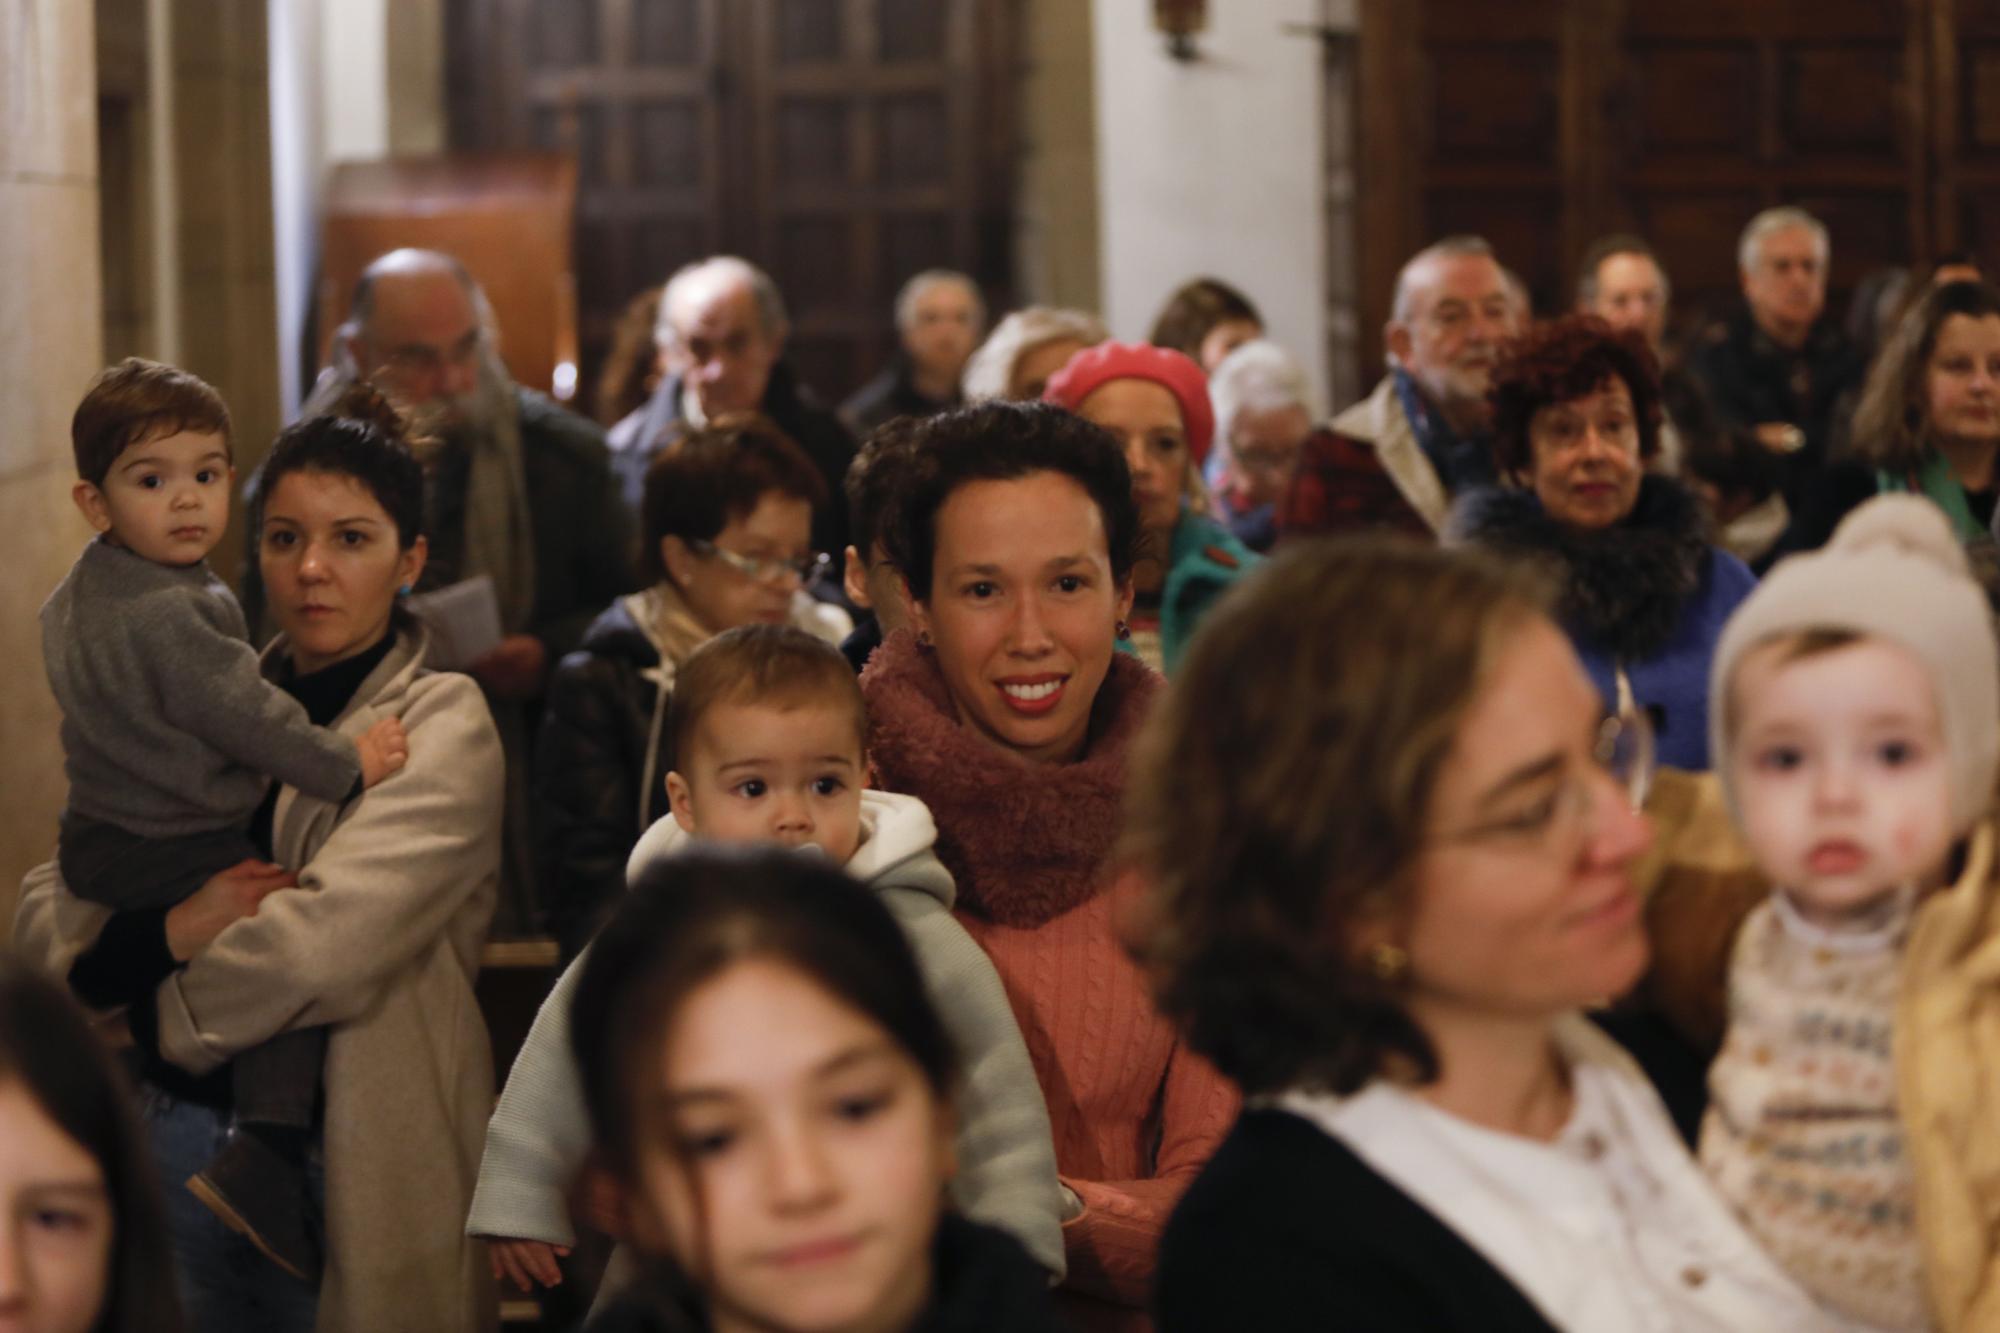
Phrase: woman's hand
(384, 748)
(526, 1262)
(195, 921)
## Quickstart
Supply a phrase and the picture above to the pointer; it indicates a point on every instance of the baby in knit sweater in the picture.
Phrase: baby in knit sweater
(767, 726)
(171, 737)
(1856, 709)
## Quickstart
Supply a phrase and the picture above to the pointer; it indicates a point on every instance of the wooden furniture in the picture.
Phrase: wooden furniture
(1544, 124)
(843, 145)
(505, 216)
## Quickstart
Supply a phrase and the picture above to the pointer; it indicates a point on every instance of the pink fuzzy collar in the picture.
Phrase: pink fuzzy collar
(1026, 842)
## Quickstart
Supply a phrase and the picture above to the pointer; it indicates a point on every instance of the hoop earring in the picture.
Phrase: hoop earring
(1124, 630)
(1389, 963)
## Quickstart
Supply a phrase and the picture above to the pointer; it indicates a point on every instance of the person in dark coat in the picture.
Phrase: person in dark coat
(722, 332)
(1643, 591)
(1780, 365)
(727, 521)
(940, 318)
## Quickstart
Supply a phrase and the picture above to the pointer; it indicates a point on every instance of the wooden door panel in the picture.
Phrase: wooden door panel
(1491, 104)
(870, 161)
(1547, 124)
(1839, 100)
(843, 144)
(1688, 100)
(1719, 109)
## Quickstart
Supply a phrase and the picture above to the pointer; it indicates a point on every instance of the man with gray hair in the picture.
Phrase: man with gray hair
(517, 489)
(1398, 458)
(721, 333)
(940, 318)
(1780, 366)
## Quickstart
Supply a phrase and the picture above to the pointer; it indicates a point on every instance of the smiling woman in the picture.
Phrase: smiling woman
(1576, 417)
(1008, 711)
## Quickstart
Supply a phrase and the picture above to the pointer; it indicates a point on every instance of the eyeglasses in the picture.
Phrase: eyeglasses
(805, 569)
(1623, 751)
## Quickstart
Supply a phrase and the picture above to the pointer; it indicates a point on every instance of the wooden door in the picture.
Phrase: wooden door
(631, 89)
(1543, 124)
(841, 144)
(1720, 109)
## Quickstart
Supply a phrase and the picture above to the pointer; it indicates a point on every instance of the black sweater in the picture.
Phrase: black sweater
(1286, 1228)
(982, 1282)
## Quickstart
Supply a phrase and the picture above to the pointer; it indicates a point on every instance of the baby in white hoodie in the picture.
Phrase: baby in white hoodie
(768, 728)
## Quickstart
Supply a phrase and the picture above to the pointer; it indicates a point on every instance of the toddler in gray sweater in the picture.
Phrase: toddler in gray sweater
(171, 737)
(767, 727)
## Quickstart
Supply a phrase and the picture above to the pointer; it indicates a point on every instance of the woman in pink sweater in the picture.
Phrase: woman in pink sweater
(1009, 711)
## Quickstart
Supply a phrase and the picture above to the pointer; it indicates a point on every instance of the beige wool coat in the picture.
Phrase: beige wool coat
(379, 942)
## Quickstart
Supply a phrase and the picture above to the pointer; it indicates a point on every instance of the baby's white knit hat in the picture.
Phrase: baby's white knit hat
(1894, 570)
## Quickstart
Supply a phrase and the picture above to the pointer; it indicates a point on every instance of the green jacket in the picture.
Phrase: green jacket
(1203, 560)
(1935, 479)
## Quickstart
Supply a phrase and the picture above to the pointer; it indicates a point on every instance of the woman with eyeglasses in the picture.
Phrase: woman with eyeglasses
(1644, 591)
(1386, 927)
(727, 517)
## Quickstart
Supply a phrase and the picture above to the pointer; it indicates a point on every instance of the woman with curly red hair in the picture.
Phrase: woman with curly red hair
(1642, 591)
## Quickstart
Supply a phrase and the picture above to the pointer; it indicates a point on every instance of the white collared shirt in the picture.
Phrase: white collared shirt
(1610, 1228)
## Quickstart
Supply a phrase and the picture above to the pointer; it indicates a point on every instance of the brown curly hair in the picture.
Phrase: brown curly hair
(1559, 361)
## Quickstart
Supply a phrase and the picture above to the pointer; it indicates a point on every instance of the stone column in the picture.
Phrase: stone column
(50, 340)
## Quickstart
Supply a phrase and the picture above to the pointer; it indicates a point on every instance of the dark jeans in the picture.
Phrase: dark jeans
(273, 1084)
(277, 1083)
(226, 1284)
(102, 863)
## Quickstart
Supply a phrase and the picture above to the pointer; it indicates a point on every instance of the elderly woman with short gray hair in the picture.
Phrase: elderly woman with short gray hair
(1264, 412)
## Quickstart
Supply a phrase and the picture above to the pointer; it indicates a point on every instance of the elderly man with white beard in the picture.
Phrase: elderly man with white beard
(517, 489)
(1399, 457)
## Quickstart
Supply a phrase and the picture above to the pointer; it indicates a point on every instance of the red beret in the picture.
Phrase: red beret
(1099, 365)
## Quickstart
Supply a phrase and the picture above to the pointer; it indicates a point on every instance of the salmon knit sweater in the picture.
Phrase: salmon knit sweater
(1135, 1113)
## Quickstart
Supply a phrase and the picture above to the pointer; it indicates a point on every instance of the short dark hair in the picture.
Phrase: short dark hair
(998, 441)
(879, 469)
(1280, 800)
(48, 1050)
(139, 400)
(1558, 361)
(689, 917)
(1194, 309)
(778, 666)
(718, 473)
(1621, 243)
(363, 439)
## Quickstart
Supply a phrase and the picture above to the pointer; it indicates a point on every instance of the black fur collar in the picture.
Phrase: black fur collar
(1623, 587)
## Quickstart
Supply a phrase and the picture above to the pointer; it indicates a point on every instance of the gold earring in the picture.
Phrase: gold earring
(1388, 963)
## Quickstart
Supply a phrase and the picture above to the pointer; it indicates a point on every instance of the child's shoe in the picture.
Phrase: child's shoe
(255, 1190)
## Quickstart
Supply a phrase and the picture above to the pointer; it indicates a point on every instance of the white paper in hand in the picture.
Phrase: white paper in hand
(464, 621)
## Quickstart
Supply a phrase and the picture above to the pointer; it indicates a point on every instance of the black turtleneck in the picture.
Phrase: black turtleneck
(130, 958)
